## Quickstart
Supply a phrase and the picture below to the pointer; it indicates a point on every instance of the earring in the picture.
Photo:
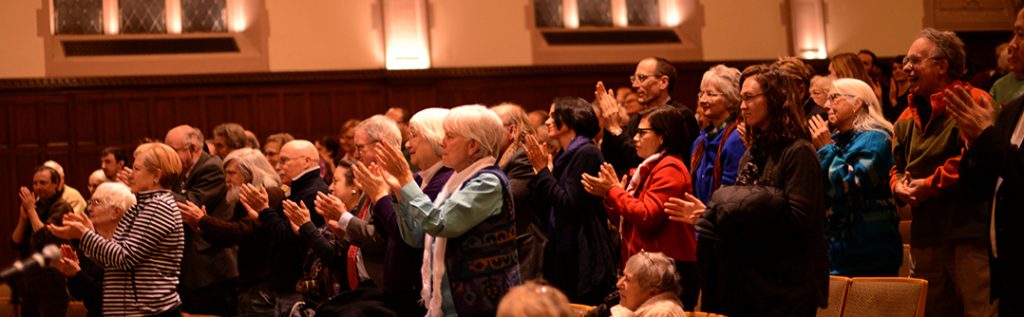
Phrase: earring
(353, 192)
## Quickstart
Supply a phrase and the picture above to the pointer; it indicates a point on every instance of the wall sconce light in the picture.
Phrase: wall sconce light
(406, 42)
(807, 19)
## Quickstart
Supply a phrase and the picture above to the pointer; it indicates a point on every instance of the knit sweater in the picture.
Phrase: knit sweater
(931, 149)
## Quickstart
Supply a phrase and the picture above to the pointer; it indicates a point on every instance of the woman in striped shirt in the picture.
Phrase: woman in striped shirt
(143, 259)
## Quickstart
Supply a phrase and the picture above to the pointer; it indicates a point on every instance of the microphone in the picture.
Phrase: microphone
(36, 261)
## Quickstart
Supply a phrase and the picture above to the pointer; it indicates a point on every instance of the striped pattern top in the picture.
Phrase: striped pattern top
(143, 260)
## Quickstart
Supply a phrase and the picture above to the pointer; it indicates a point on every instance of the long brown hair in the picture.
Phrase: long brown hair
(785, 118)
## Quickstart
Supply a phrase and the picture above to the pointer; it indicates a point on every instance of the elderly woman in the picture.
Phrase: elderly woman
(244, 166)
(579, 258)
(468, 230)
(142, 260)
(648, 287)
(531, 210)
(85, 278)
(767, 232)
(719, 147)
(639, 204)
(820, 85)
(863, 228)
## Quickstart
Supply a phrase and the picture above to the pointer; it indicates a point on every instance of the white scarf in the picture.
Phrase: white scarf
(434, 248)
(634, 181)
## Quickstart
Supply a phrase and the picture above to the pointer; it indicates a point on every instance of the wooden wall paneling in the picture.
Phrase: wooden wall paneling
(297, 115)
(84, 123)
(9, 197)
(241, 110)
(188, 108)
(25, 125)
(216, 110)
(371, 102)
(268, 111)
(112, 122)
(55, 123)
(6, 141)
(162, 116)
(346, 104)
(136, 120)
(326, 117)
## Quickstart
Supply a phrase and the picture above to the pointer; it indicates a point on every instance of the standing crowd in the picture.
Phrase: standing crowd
(632, 202)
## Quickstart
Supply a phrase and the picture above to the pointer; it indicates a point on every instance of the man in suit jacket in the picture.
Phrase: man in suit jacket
(208, 271)
(653, 80)
(993, 169)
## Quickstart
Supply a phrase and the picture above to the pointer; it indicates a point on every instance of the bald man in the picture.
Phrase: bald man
(208, 271)
(300, 162)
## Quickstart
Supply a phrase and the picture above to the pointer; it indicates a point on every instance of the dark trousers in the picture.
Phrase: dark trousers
(215, 299)
(689, 280)
(173, 312)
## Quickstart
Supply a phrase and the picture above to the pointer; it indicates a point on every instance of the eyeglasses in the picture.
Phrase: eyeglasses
(709, 94)
(360, 147)
(749, 97)
(834, 97)
(639, 78)
(96, 203)
(914, 60)
(644, 131)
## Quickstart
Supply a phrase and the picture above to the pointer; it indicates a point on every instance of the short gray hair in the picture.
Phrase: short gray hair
(727, 80)
(950, 48)
(654, 270)
(429, 124)
(380, 128)
(255, 168)
(117, 194)
(479, 124)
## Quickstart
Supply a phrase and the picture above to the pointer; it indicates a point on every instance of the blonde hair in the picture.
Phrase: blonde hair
(477, 123)
(870, 118)
(159, 157)
(429, 124)
(533, 299)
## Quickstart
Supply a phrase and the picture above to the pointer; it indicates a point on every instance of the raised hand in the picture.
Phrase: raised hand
(191, 213)
(74, 227)
(820, 133)
(371, 180)
(328, 206)
(393, 162)
(610, 108)
(972, 116)
(298, 214)
(255, 200)
(68, 264)
(685, 210)
(28, 199)
(601, 184)
(537, 154)
(125, 176)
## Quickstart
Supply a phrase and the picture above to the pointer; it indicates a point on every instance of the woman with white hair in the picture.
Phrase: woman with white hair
(648, 287)
(718, 148)
(85, 278)
(243, 166)
(468, 230)
(863, 227)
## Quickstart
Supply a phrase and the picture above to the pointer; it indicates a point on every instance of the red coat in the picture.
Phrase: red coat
(645, 224)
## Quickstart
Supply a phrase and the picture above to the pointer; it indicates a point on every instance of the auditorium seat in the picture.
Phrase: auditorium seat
(6, 307)
(702, 314)
(837, 287)
(885, 296)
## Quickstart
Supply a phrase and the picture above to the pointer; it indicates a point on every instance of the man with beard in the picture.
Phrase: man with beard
(244, 166)
(654, 79)
(208, 271)
(43, 291)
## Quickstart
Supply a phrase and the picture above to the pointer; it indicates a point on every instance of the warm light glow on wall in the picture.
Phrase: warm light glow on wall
(173, 16)
(405, 34)
(238, 18)
(671, 13)
(111, 20)
(620, 17)
(570, 14)
(808, 23)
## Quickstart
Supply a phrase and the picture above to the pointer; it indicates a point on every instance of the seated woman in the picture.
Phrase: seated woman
(766, 234)
(862, 227)
(648, 287)
(323, 277)
(639, 204)
(85, 278)
(468, 231)
(142, 260)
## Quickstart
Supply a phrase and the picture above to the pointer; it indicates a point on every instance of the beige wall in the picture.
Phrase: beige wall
(324, 35)
(346, 35)
(480, 33)
(21, 53)
(744, 29)
(884, 26)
